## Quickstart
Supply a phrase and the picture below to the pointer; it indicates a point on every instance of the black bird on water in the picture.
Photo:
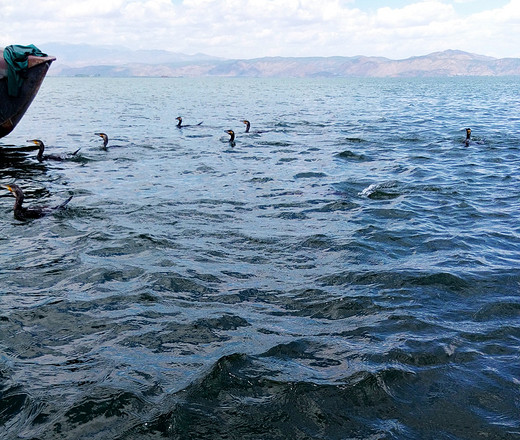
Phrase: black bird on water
(179, 124)
(231, 137)
(41, 157)
(22, 213)
(468, 137)
(105, 139)
(248, 127)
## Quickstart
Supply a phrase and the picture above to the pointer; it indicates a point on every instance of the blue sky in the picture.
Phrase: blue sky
(255, 28)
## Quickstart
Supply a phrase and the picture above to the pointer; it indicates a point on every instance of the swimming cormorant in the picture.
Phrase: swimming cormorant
(105, 139)
(41, 157)
(22, 213)
(248, 127)
(179, 124)
(231, 136)
(468, 136)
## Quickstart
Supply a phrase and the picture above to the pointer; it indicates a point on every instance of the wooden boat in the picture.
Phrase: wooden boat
(13, 108)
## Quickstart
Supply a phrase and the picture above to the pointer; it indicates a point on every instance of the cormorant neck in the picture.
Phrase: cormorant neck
(18, 202)
(40, 153)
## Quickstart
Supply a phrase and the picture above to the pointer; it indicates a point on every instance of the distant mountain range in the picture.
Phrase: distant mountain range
(85, 60)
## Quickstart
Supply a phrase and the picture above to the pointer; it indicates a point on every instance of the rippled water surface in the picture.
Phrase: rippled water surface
(350, 272)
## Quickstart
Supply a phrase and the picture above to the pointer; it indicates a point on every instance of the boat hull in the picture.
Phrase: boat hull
(12, 109)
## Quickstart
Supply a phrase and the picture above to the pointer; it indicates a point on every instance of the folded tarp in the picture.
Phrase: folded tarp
(16, 57)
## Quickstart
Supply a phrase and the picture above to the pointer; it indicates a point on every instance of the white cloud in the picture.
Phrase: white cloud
(254, 28)
(418, 14)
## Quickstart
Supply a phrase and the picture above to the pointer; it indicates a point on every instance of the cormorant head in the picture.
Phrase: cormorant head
(248, 124)
(36, 142)
(41, 147)
(105, 138)
(468, 133)
(16, 190)
(178, 118)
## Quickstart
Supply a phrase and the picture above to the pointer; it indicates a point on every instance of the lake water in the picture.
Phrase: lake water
(351, 272)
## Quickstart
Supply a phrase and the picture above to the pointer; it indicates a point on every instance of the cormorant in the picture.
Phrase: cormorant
(41, 157)
(105, 139)
(248, 127)
(22, 213)
(179, 124)
(468, 136)
(231, 135)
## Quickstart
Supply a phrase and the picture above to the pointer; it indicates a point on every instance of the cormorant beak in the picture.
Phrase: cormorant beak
(34, 141)
(9, 188)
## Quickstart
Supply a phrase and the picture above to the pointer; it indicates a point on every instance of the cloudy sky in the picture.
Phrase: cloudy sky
(256, 28)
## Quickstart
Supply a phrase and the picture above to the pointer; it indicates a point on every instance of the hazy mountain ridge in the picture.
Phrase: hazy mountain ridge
(85, 60)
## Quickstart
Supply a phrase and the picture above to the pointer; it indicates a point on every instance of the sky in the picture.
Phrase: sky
(394, 29)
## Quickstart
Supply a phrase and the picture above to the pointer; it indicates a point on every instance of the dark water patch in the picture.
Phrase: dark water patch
(101, 413)
(422, 354)
(280, 193)
(396, 280)
(168, 282)
(309, 175)
(354, 140)
(237, 275)
(234, 401)
(497, 331)
(318, 304)
(318, 241)
(226, 322)
(218, 202)
(291, 215)
(382, 195)
(339, 205)
(174, 335)
(350, 155)
(277, 144)
(287, 159)
(261, 179)
(393, 213)
(13, 404)
(206, 277)
(500, 310)
(303, 351)
(101, 276)
(38, 332)
(382, 191)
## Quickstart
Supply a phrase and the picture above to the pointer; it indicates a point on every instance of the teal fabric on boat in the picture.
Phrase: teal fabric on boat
(16, 57)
